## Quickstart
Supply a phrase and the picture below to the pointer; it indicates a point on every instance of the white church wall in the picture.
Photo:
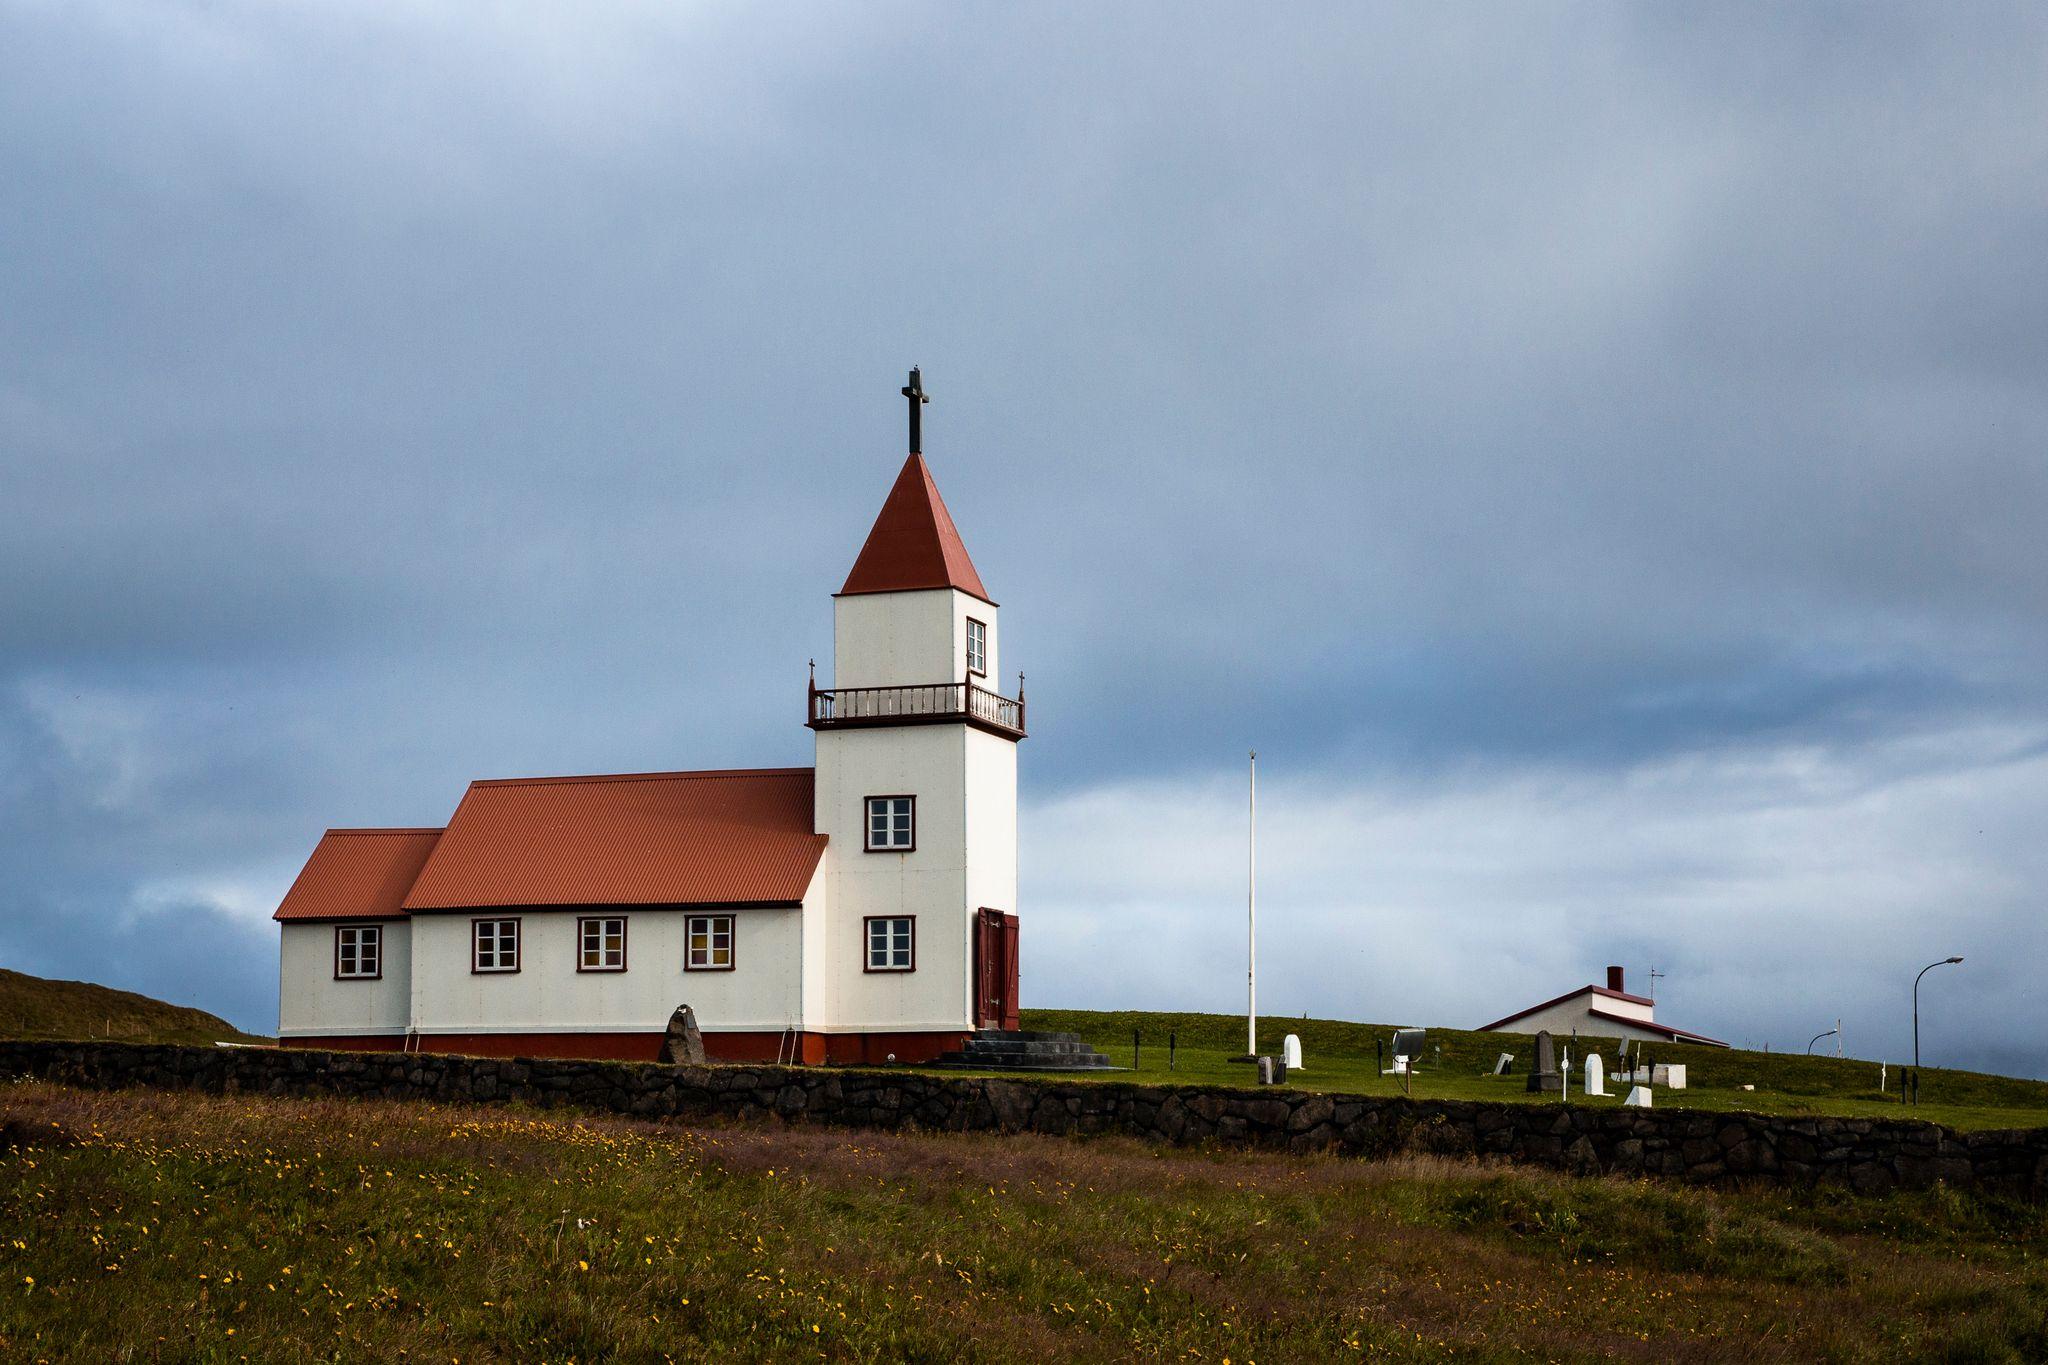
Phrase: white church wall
(902, 639)
(895, 639)
(928, 762)
(991, 829)
(312, 1002)
(548, 994)
(965, 606)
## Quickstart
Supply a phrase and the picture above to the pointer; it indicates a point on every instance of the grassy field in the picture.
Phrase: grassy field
(1339, 1056)
(34, 1007)
(155, 1226)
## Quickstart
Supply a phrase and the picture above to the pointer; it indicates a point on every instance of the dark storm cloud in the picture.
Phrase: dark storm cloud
(394, 397)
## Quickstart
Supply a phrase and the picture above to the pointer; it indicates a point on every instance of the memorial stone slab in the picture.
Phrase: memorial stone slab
(1596, 1074)
(684, 1043)
(1545, 1076)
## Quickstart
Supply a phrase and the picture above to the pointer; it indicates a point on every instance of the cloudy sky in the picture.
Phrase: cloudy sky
(1599, 457)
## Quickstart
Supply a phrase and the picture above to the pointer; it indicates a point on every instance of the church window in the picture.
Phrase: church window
(601, 945)
(977, 648)
(892, 943)
(494, 945)
(892, 824)
(358, 952)
(710, 944)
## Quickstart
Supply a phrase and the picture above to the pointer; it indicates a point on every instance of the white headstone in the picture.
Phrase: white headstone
(1290, 1052)
(1639, 1096)
(1674, 1075)
(1596, 1074)
(1507, 1059)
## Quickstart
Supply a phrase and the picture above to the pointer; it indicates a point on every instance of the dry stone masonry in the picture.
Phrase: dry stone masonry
(1691, 1145)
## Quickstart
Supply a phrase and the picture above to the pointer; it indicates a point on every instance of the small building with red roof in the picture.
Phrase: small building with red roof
(860, 909)
(1599, 1012)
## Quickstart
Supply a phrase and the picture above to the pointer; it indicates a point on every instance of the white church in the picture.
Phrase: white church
(860, 909)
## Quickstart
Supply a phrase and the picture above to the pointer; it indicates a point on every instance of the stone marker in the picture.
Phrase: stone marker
(1544, 1076)
(1272, 1071)
(684, 1044)
(1507, 1059)
(1639, 1096)
(1290, 1053)
(1596, 1074)
(1674, 1075)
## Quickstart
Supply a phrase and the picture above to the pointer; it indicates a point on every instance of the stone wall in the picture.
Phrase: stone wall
(1681, 1144)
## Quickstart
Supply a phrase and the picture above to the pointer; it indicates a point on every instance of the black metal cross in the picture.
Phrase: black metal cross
(914, 391)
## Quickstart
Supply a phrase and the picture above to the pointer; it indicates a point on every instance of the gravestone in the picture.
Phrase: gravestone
(1272, 1071)
(1674, 1075)
(1290, 1053)
(1596, 1074)
(1638, 1096)
(1507, 1059)
(1407, 1049)
(684, 1044)
(1545, 1076)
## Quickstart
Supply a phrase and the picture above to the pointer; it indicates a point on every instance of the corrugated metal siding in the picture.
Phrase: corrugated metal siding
(635, 839)
(359, 874)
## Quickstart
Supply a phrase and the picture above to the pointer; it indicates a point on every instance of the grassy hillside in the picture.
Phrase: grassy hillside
(1339, 1056)
(32, 1007)
(294, 1230)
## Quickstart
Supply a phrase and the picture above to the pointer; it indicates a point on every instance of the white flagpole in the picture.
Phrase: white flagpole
(1251, 1004)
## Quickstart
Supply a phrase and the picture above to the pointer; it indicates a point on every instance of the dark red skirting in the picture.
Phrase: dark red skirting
(813, 1049)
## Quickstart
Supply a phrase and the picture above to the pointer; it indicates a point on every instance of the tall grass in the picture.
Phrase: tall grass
(178, 1226)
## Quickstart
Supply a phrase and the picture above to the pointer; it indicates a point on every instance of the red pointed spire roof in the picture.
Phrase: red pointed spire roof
(914, 543)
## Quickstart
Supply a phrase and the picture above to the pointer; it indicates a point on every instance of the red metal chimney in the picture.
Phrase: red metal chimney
(1614, 979)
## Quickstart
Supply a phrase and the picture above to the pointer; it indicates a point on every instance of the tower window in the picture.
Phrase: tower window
(494, 945)
(977, 648)
(892, 824)
(892, 943)
(358, 952)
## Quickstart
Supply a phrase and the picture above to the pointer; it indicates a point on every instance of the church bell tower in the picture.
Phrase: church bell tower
(916, 781)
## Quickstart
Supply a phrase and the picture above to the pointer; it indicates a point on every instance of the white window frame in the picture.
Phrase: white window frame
(977, 647)
(898, 827)
(711, 929)
(352, 941)
(605, 936)
(889, 943)
(503, 954)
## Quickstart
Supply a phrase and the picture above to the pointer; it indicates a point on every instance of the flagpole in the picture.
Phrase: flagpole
(1251, 1005)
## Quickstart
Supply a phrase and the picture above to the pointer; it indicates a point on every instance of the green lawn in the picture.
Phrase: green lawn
(178, 1226)
(1339, 1056)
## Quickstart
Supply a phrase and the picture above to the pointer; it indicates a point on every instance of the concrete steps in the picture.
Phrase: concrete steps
(1025, 1050)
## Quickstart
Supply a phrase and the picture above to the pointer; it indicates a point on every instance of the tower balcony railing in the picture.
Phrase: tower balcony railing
(837, 708)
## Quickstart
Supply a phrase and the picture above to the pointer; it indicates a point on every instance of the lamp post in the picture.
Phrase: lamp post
(1916, 1015)
(1818, 1036)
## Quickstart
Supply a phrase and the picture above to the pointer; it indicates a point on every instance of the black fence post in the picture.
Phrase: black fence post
(1172, 1043)
(1134, 1049)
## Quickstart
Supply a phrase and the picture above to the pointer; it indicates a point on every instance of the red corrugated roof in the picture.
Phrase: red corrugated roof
(705, 838)
(914, 543)
(358, 874)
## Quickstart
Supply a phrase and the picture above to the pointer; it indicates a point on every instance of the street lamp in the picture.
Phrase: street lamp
(1818, 1036)
(1916, 1012)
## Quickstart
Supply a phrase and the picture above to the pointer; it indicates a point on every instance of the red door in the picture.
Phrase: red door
(995, 970)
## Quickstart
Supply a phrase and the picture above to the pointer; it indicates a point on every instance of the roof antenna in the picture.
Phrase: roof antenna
(914, 391)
